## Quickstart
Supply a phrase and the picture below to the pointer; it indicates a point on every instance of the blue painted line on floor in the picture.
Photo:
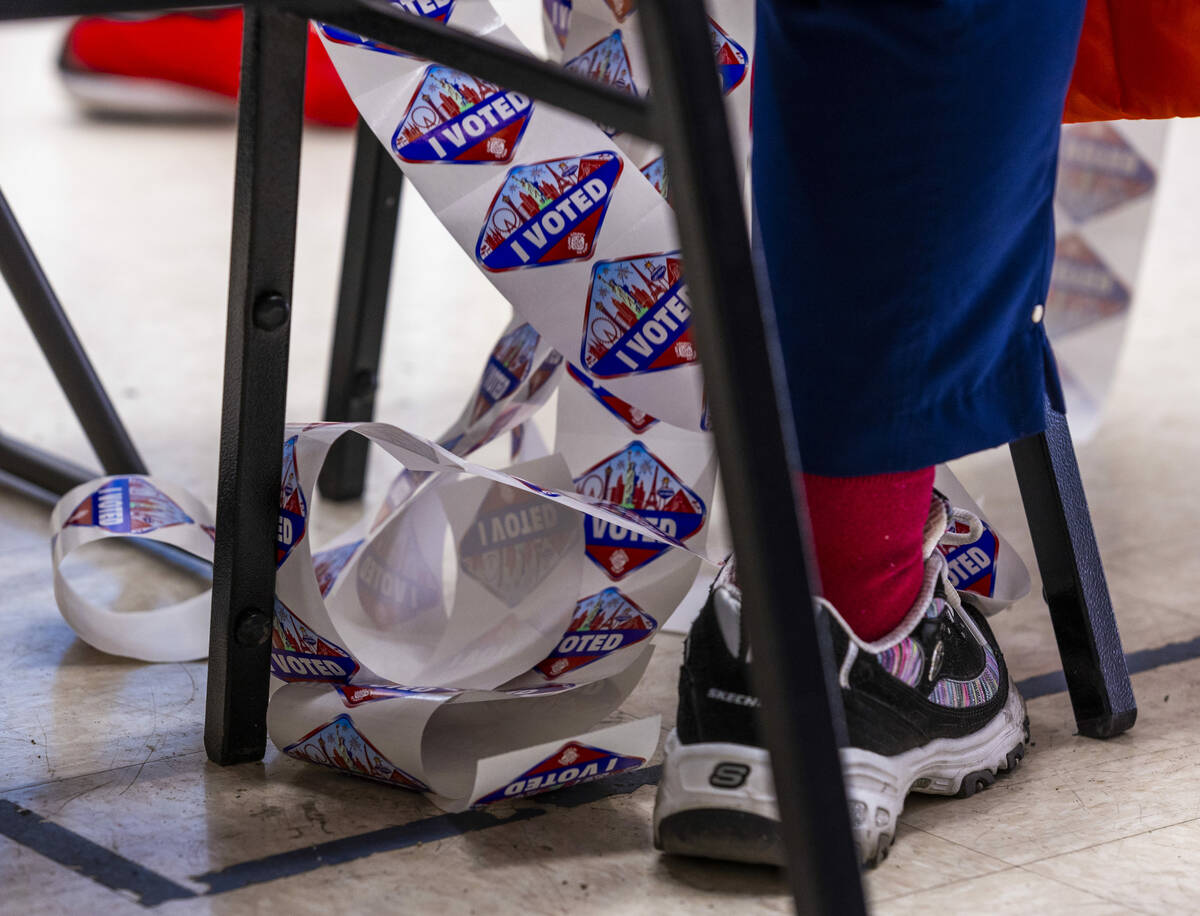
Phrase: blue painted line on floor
(89, 859)
(1141, 660)
(151, 889)
(1042, 685)
(403, 836)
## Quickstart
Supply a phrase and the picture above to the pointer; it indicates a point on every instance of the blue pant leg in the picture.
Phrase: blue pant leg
(904, 164)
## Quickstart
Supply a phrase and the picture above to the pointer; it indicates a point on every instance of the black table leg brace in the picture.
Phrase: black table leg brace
(270, 112)
(64, 352)
(362, 305)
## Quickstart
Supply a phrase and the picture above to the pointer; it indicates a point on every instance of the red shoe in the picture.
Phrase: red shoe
(181, 65)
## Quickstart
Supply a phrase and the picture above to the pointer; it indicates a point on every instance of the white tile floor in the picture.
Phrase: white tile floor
(132, 224)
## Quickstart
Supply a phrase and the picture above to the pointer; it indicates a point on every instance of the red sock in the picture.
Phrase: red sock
(868, 534)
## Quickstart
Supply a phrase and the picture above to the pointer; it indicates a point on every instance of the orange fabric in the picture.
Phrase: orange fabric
(1137, 59)
(202, 50)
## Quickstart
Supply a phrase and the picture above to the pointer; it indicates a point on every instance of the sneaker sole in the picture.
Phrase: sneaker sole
(740, 823)
(108, 95)
(876, 786)
(717, 801)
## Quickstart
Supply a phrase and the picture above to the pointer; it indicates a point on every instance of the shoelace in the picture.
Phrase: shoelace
(935, 571)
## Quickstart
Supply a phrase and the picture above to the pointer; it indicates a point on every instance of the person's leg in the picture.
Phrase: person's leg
(904, 164)
(868, 537)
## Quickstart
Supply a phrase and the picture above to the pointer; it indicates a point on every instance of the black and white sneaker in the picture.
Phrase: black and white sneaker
(929, 708)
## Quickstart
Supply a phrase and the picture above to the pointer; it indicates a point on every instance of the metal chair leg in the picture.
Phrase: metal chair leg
(64, 352)
(756, 443)
(1073, 580)
(362, 306)
(270, 111)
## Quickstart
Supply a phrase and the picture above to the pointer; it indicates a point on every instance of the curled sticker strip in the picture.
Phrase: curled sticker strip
(133, 507)
(462, 747)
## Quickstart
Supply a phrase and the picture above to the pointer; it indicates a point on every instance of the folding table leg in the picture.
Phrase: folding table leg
(63, 351)
(270, 111)
(362, 304)
(1073, 580)
(756, 444)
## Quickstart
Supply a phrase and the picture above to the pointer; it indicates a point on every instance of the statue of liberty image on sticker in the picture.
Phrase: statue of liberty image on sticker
(606, 62)
(427, 9)
(338, 744)
(635, 480)
(731, 58)
(298, 653)
(506, 368)
(570, 764)
(602, 624)
(638, 318)
(454, 117)
(656, 173)
(293, 509)
(128, 505)
(548, 212)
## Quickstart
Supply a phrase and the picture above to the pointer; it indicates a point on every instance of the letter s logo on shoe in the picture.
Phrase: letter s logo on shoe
(729, 775)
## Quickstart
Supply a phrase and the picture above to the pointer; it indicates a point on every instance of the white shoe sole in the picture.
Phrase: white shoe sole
(876, 786)
(717, 801)
(110, 95)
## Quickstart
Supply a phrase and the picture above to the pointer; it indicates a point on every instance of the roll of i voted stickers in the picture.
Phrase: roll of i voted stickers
(455, 744)
(130, 506)
(551, 210)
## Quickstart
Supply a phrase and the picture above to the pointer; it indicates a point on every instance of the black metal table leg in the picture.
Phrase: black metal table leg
(759, 457)
(63, 351)
(362, 305)
(1073, 580)
(270, 110)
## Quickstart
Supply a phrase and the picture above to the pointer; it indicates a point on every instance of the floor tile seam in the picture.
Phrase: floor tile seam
(954, 883)
(1121, 839)
(1024, 778)
(68, 779)
(1003, 866)
(1023, 863)
(1087, 890)
(1091, 892)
